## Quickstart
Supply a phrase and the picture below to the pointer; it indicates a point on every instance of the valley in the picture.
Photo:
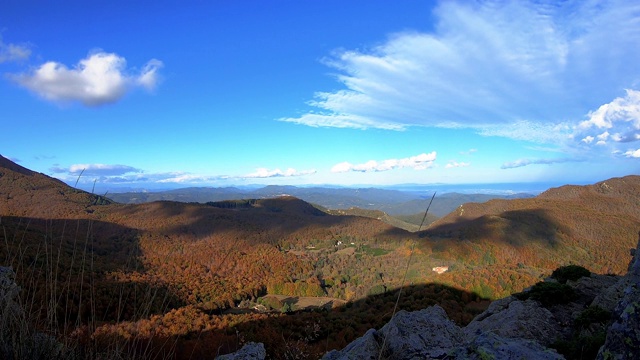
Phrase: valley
(167, 279)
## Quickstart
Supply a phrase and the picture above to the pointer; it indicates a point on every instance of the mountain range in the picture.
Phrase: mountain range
(392, 202)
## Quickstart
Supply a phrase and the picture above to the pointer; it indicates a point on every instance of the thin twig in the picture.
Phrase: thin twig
(404, 277)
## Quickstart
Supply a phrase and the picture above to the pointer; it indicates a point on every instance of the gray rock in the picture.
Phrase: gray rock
(250, 351)
(9, 292)
(609, 298)
(365, 347)
(491, 346)
(592, 287)
(424, 334)
(429, 334)
(623, 336)
(516, 319)
(496, 307)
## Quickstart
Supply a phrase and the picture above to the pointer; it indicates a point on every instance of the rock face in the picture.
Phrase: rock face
(515, 319)
(423, 334)
(623, 336)
(430, 334)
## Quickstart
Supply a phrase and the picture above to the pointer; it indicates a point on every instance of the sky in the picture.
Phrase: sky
(152, 94)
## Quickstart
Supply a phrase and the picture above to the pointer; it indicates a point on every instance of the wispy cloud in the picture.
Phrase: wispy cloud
(468, 152)
(525, 162)
(455, 164)
(13, 52)
(266, 173)
(100, 78)
(95, 169)
(182, 178)
(518, 69)
(418, 162)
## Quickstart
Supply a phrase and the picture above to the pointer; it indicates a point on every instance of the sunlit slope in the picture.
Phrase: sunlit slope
(591, 225)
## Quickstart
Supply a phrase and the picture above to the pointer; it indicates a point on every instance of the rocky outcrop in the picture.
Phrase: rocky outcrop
(514, 319)
(623, 336)
(250, 351)
(423, 334)
(430, 334)
(491, 346)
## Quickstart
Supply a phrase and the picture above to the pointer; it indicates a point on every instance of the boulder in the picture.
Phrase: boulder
(511, 318)
(423, 334)
(250, 351)
(491, 346)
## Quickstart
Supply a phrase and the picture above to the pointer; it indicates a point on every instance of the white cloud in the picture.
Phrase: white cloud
(418, 162)
(525, 162)
(148, 77)
(546, 133)
(622, 110)
(587, 139)
(266, 173)
(455, 164)
(528, 65)
(13, 52)
(181, 178)
(632, 153)
(98, 79)
(342, 167)
(612, 125)
(95, 169)
(468, 152)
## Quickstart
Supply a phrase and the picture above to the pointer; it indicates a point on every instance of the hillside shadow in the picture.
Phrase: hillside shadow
(254, 221)
(314, 332)
(75, 271)
(515, 227)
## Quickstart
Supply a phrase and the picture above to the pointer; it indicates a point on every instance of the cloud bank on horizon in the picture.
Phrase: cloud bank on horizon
(418, 162)
(521, 70)
(123, 174)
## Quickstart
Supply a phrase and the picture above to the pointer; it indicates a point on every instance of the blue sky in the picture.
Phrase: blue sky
(221, 93)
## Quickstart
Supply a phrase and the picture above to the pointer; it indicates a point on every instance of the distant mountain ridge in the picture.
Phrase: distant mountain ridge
(392, 202)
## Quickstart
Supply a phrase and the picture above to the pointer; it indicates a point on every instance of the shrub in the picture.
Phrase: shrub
(569, 272)
(581, 347)
(377, 290)
(549, 293)
(591, 315)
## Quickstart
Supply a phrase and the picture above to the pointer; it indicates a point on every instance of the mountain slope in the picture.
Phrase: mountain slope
(27, 193)
(589, 225)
